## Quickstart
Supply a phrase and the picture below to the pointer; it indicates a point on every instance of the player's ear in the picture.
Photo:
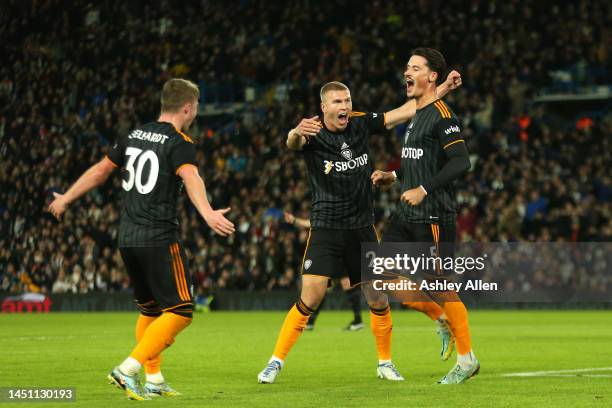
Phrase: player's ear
(433, 76)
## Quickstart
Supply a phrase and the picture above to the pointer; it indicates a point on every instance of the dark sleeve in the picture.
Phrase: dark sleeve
(183, 153)
(116, 154)
(375, 122)
(448, 132)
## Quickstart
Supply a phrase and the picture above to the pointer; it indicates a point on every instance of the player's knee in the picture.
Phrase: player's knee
(313, 291)
(312, 302)
(312, 298)
(378, 304)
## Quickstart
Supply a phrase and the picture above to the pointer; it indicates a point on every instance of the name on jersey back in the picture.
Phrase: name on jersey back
(148, 136)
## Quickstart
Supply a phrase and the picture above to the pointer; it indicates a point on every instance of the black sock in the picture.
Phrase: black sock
(354, 298)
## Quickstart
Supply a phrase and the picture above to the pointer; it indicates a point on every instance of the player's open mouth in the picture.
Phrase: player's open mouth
(343, 118)
(409, 84)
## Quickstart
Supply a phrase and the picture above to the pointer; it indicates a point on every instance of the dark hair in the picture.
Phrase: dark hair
(435, 61)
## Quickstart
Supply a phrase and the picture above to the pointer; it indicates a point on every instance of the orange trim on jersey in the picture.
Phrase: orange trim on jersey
(182, 278)
(357, 113)
(177, 267)
(445, 107)
(177, 306)
(306, 249)
(435, 231)
(385, 119)
(187, 138)
(183, 165)
(443, 112)
(112, 162)
(452, 143)
(376, 232)
(175, 271)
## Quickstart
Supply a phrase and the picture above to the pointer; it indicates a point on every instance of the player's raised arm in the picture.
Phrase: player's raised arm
(407, 111)
(196, 190)
(299, 136)
(92, 178)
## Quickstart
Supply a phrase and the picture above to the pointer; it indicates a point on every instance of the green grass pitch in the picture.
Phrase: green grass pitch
(216, 360)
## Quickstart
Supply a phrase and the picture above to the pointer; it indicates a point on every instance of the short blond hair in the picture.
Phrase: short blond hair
(333, 86)
(176, 92)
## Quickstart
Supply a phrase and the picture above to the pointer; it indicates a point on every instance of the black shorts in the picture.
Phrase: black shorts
(438, 239)
(335, 253)
(160, 277)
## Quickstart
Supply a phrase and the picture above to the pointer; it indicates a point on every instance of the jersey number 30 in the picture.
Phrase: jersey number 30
(135, 166)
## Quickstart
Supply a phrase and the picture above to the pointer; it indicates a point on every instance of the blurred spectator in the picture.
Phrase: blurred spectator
(78, 77)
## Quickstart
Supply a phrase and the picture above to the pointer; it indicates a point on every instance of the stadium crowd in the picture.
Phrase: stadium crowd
(76, 78)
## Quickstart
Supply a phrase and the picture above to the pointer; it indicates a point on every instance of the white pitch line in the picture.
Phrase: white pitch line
(562, 373)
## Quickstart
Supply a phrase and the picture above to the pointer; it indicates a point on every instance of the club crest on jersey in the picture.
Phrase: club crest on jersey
(346, 152)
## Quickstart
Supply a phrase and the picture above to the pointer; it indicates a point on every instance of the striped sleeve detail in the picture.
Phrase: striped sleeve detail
(357, 113)
(184, 136)
(183, 165)
(444, 112)
(452, 143)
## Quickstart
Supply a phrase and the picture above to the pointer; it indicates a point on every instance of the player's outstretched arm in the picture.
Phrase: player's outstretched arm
(196, 190)
(407, 111)
(92, 178)
(298, 137)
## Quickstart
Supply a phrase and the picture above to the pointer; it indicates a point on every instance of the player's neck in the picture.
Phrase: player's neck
(425, 99)
(172, 119)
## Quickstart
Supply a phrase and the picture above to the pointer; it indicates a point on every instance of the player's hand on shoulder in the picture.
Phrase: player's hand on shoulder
(413, 196)
(217, 222)
(382, 178)
(58, 206)
(453, 80)
(309, 127)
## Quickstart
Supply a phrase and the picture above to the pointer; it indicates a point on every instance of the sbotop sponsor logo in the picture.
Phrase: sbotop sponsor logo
(342, 166)
(412, 153)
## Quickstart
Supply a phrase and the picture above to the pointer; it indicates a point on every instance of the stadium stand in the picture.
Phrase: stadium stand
(80, 76)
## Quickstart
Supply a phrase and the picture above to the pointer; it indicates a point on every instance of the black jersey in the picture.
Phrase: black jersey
(339, 169)
(150, 158)
(434, 128)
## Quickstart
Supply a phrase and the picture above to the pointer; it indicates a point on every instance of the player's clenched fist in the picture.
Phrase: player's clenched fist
(58, 206)
(413, 196)
(453, 80)
(382, 178)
